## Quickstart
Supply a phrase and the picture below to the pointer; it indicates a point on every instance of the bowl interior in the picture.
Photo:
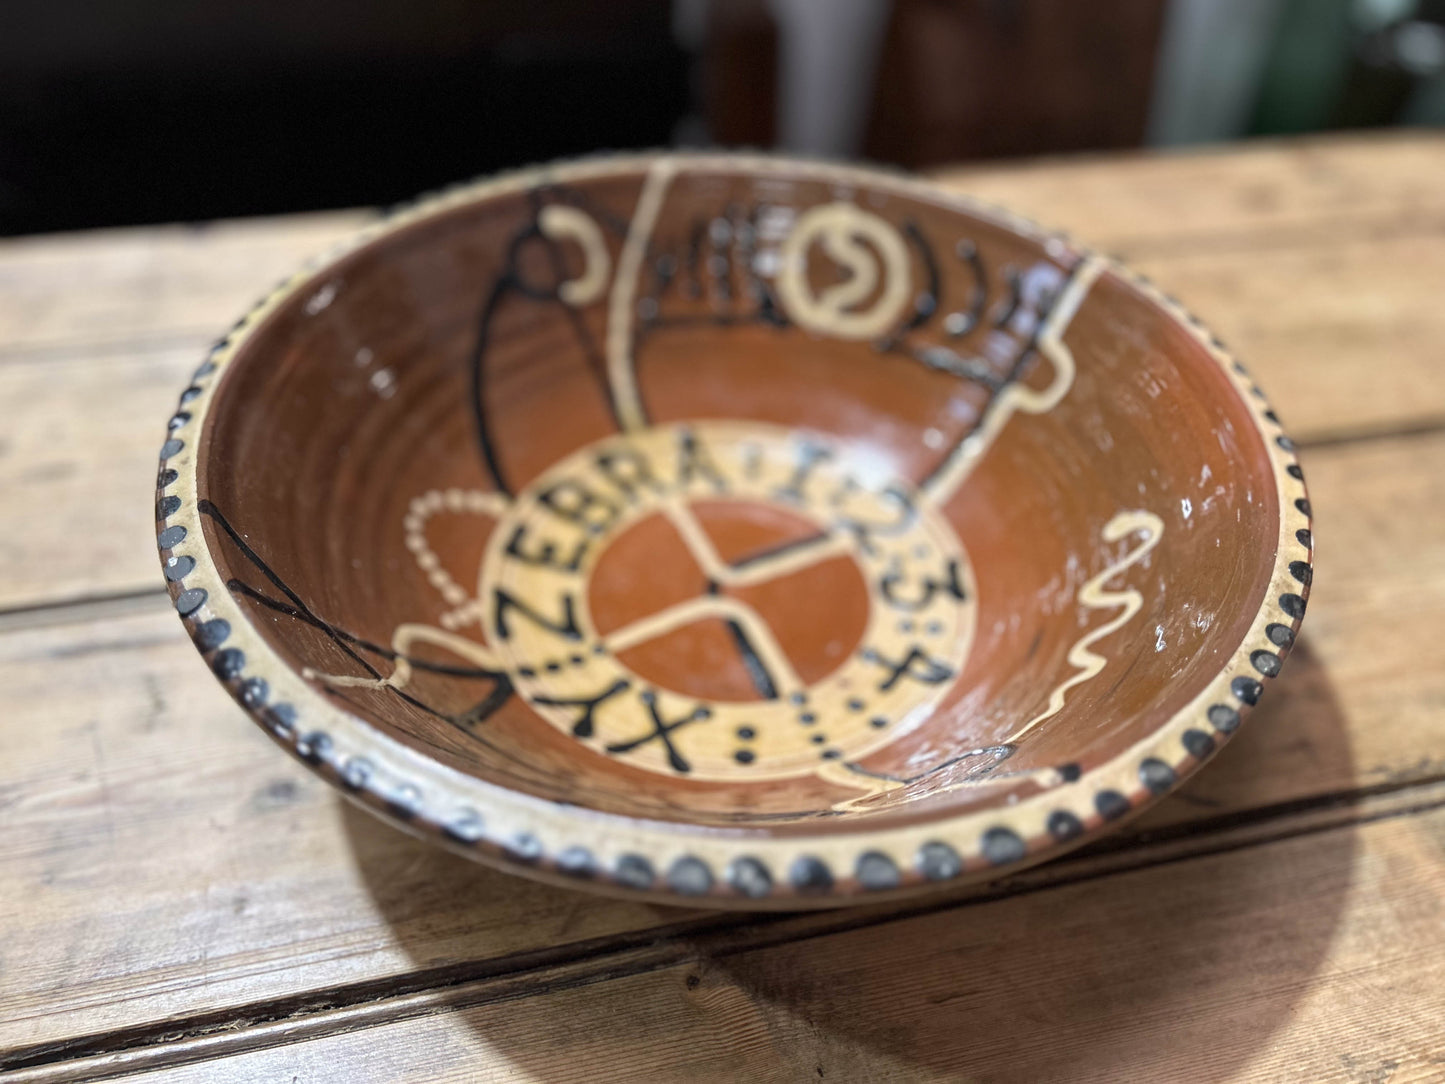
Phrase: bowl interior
(739, 495)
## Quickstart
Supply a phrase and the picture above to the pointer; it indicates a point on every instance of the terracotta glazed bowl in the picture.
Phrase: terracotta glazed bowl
(734, 530)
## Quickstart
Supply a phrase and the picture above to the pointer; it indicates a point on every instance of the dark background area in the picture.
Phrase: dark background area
(117, 112)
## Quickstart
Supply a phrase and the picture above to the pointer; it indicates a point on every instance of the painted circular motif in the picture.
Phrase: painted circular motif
(576, 673)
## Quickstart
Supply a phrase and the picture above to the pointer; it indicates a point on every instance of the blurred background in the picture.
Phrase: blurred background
(117, 112)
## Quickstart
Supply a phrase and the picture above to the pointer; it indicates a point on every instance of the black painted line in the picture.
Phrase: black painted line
(477, 363)
(757, 670)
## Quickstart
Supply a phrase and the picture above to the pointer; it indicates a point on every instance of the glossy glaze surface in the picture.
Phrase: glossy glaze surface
(722, 494)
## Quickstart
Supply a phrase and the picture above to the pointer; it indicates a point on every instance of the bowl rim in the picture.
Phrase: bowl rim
(678, 862)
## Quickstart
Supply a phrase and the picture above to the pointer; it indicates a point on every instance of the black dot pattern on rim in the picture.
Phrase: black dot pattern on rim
(171, 537)
(254, 691)
(1069, 773)
(178, 568)
(406, 800)
(228, 663)
(1224, 718)
(1063, 825)
(465, 827)
(690, 876)
(210, 635)
(1111, 804)
(1280, 635)
(1301, 571)
(524, 848)
(1156, 776)
(939, 861)
(313, 747)
(1294, 605)
(1285, 443)
(1002, 846)
(744, 756)
(1198, 743)
(168, 506)
(576, 862)
(166, 477)
(281, 718)
(1266, 662)
(1304, 538)
(876, 871)
(1294, 472)
(750, 878)
(634, 871)
(1304, 506)
(1246, 690)
(355, 772)
(190, 600)
(809, 874)
(172, 447)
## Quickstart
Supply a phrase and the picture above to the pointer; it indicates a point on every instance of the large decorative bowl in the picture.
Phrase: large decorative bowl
(734, 530)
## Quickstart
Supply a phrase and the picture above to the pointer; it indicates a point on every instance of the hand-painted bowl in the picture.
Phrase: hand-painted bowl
(734, 530)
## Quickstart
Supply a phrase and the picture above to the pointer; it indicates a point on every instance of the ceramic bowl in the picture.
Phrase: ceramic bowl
(734, 530)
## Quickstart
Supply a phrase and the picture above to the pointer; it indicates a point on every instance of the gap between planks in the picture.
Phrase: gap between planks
(361, 1006)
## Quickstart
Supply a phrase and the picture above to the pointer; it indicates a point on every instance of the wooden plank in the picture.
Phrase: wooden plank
(1243, 196)
(78, 459)
(1347, 338)
(1313, 958)
(85, 294)
(231, 878)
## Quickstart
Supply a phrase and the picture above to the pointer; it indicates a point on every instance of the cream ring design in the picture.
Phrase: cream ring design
(534, 589)
(878, 267)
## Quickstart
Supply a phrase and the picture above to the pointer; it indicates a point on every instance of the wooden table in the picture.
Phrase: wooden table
(180, 901)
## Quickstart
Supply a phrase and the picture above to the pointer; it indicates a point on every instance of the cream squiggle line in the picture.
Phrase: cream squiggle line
(1092, 595)
(621, 372)
(1018, 396)
(1095, 597)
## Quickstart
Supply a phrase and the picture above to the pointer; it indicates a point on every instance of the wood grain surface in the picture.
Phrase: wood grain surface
(177, 898)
